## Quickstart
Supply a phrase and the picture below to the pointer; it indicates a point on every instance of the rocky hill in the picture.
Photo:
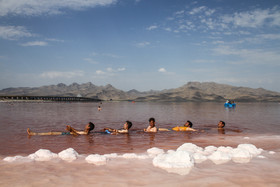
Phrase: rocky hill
(73, 90)
(210, 91)
(192, 91)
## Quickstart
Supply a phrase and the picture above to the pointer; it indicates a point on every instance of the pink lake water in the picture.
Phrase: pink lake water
(250, 123)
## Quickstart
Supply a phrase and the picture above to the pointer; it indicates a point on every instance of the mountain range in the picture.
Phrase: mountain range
(192, 91)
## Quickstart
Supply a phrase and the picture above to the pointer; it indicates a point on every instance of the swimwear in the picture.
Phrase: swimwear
(108, 132)
(65, 133)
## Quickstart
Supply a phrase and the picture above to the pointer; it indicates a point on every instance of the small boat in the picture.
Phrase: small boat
(229, 105)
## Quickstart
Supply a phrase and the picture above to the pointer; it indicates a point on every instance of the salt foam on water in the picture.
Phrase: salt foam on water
(68, 155)
(43, 155)
(183, 159)
(96, 159)
(271, 152)
(152, 152)
(17, 159)
(134, 156)
(112, 155)
(179, 161)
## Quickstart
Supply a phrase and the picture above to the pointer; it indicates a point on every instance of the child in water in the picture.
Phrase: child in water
(124, 130)
(187, 127)
(152, 126)
(221, 124)
(89, 127)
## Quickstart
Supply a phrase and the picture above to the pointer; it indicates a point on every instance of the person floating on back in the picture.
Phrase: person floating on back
(187, 127)
(221, 125)
(124, 130)
(152, 126)
(70, 130)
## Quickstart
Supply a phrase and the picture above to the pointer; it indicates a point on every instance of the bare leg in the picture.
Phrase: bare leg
(30, 133)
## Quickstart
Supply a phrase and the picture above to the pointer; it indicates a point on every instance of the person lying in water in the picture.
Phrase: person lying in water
(187, 127)
(70, 130)
(124, 130)
(152, 126)
(221, 125)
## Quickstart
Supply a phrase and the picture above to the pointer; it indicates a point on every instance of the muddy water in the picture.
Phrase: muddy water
(255, 123)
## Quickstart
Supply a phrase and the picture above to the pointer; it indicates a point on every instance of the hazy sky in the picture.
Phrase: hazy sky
(140, 44)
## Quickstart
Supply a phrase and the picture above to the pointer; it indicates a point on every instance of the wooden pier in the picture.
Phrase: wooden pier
(49, 98)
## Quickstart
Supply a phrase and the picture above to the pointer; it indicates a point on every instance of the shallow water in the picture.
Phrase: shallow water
(254, 123)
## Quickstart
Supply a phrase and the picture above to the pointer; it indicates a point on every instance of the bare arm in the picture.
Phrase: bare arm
(74, 131)
(190, 129)
(122, 131)
(149, 129)
(109, 129)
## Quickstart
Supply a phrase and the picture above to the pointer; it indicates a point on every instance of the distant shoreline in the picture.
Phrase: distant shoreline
(190, 92)
(134, 101)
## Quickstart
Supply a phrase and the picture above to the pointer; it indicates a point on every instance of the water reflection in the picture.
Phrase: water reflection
(221, 131)
(152, 138)
(127, 138)
(89, 139)
(46, 116)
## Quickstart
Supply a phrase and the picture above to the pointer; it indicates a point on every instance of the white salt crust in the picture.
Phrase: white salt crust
(179, 161)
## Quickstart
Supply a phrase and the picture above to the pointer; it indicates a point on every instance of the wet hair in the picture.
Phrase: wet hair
(152, 119)
(91, 126)
(223, 123)
(190, 123)
(129, 124)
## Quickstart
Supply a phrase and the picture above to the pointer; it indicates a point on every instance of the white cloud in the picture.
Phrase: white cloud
(168, 29)
(105, 55)
(14, 32)
(59, 74)
(225, 50)
(111, 55)
(250, 56)
(204, 19)
(162, 70)
(254, 19)
(100, 72)
(197, 10)
(203, 61)
(218, 42)
(121, 69)
(152, 27)
(269, 36)
(35, 43)
(143, 44)
(110, 71)
(100, 56)
(91, 61)
(35, 7)
(179, 12)
(115, 70)
(209, 12)
(54, 40)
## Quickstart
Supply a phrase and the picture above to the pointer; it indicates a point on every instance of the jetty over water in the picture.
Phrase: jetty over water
(49, 98)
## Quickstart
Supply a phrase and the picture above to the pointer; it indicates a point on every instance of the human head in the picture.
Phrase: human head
(129, 124)
(90, 126)
(221, 124)
(188, 124)
(152, 122)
